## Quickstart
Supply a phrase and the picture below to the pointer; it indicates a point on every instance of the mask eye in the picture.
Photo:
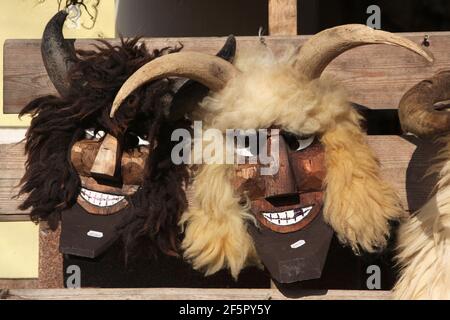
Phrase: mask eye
(142, 141)
(245, 152)
(132, 140)
(92, 134)
(296, 142)
(250, 145)
(303, 143)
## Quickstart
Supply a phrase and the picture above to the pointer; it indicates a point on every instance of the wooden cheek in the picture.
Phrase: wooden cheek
(309, 168)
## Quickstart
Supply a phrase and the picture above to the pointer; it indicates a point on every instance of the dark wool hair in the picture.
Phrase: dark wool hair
(51, 183)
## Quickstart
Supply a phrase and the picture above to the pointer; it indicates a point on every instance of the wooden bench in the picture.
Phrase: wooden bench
(375, 76)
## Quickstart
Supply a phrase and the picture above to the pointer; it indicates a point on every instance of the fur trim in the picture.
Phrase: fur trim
(216, 234)
(358, 203)
(424, 242)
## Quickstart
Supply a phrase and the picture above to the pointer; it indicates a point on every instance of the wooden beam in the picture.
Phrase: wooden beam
(282, 17)
(404, 160)
(188, 294)
(375, 76)
(19, 284)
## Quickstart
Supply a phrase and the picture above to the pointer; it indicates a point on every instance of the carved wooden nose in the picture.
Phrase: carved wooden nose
(283, 182)
(107, 159)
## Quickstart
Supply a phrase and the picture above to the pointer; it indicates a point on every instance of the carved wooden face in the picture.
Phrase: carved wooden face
(289, 200)
(108, 173)
(292, 239)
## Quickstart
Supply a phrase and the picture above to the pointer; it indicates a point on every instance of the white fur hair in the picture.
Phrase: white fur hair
(424, 242)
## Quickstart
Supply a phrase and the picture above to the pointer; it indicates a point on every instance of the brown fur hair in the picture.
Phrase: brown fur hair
(51, 184)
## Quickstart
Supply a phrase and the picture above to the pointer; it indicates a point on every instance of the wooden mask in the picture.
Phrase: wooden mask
(107, 175)
(292, 239)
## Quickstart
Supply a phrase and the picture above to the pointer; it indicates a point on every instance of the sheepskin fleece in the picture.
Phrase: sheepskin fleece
(358, 204)
(424, 242)
(216, 234)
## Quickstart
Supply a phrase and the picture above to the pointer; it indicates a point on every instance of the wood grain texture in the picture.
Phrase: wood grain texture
(188, 294)
(375, 76)
(404, 161)
(12, 160)
(282, 17)
(19, 284)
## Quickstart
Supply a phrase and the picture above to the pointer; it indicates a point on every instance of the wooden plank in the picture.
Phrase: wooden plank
(12, 161)
(282, 17)
(19, 283)
(404, 160)
(188, 294)
(375, 76)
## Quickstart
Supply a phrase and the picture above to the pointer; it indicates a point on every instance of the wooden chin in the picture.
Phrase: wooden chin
(314, 199)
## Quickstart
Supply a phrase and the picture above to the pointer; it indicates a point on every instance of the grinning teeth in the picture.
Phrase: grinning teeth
(306, 210)
(100, 199)
(287, 218)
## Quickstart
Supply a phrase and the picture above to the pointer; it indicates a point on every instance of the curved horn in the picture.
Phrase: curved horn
(58, 53)
(211, 71)
(417, 110)
(190, 93)
(322, 48)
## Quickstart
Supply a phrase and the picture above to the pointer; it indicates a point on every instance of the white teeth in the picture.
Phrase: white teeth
(287, 218)
(100, 199)
(306, 210)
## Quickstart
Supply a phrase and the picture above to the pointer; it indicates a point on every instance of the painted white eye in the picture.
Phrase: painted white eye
(142, 142)
(304, 143)
(244, 152)
(91, 135)
(247, 144)
(100, 134)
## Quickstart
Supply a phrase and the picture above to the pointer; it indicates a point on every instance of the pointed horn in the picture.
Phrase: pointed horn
(228, 50)
(315, 55)
(209, 70)
(191, 93)
(58, 53)
(417, 111)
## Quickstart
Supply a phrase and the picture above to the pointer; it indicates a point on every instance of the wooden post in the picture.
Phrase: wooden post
(282, 17)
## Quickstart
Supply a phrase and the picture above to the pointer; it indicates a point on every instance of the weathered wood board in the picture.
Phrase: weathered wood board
(404, 160)
(19, 284)
(282, 17)
(186, 294)
(375, 76)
